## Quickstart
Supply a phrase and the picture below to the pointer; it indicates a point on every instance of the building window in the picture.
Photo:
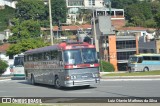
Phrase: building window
(75, 3)
(91, 3)
(126, 44)
(124, 55)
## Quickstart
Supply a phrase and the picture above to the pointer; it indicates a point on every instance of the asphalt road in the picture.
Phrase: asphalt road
(107, 88)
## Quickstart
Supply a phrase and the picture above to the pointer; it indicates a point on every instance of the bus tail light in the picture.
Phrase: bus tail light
(95, 75)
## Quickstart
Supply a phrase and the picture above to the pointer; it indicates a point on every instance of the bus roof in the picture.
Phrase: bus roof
(61, 46)
(146, 54)
(42, 49)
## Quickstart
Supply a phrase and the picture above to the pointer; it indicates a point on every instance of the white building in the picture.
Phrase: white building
(75, 5)
(9, 3)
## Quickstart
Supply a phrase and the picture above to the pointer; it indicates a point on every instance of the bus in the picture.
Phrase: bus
(144, 62)
(18, 66)
(66, 64)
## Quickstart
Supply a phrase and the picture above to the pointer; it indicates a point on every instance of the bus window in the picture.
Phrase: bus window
(18, 61)
(89, 56)
(132, 59)
(140, 60)
(72, 57)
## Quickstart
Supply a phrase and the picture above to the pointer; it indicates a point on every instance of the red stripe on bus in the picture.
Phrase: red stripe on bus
(80, 66)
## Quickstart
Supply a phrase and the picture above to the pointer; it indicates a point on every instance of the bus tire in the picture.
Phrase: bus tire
(145, 69)
(32, 80)
(57, 83)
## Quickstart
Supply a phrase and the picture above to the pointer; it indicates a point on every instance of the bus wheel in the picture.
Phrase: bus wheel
(32, 80)
(145, 69)
(57, 83)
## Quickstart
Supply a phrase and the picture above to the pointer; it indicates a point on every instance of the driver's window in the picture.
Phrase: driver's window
(140, 60)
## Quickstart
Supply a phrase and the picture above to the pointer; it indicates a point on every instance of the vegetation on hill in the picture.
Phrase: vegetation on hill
(5, 16)
(139, 13)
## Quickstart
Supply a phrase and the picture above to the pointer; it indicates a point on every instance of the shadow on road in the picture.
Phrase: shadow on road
(63, 88)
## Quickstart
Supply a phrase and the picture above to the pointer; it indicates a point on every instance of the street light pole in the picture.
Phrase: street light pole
(50, 18)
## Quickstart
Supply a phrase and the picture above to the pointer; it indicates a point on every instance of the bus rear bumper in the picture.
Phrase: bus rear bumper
(81, 82)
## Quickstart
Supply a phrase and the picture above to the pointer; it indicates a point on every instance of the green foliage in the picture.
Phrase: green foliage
(150, 23)
(26, 44)
(31, 9)
(106, 66)
(5, 15)
(25, 29)
(139, 13)
(122, 3)
(59, 10)
(3, 66)
(157, 18)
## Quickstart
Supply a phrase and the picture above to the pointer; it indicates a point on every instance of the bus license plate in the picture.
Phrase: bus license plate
(84, 76)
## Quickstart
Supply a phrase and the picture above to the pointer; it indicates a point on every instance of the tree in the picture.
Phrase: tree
(123, 3)
(59, 11)
(5, 16)
(25, 29)
(25, 44)
(31, 9)
(138, 13)
(3, 66)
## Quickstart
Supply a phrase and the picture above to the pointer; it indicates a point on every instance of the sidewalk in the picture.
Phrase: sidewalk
(128, 77)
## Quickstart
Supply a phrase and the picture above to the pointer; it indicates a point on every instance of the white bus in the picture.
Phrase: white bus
(63, 65)
(144, 62)
(18, 66)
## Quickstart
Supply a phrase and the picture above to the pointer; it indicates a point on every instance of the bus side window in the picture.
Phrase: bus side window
(140, 60)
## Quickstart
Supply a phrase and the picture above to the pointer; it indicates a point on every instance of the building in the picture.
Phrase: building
(10, 3)
(113, 48)
(117, 15)
(74, 7)
(73, 29)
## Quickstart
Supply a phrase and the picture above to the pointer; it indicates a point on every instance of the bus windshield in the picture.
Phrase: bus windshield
(79, 56)
(89, 56)
(133, 59)
(18, 61)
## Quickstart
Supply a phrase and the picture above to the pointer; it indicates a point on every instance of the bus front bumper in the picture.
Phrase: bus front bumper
(73, 83)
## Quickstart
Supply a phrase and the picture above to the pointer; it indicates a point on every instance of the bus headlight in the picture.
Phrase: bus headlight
(73, 77)
(95, 75)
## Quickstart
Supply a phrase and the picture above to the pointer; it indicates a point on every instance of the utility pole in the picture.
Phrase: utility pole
(50, 18)
(95, 33)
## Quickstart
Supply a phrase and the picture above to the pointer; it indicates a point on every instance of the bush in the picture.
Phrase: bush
(106, 66)
(3, 66)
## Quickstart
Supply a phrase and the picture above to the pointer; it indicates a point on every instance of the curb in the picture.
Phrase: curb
(131, 77)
